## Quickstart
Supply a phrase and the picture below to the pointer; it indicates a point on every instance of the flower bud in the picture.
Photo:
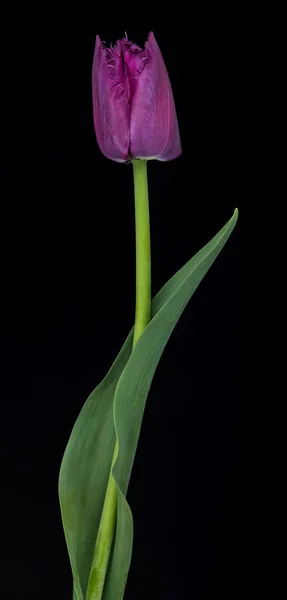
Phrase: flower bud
(134, 110)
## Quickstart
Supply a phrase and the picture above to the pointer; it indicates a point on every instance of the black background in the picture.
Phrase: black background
(206, 485)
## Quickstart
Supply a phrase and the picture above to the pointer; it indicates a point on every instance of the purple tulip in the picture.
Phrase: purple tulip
(134, 111)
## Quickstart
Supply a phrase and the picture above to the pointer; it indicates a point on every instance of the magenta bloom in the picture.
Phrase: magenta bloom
(134, 111)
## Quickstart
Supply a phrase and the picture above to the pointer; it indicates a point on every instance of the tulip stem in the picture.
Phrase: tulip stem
(143, 264)
(107, 525)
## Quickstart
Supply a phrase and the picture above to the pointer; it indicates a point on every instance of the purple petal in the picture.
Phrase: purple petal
(135, 59)
(154, 129)
(110, 102)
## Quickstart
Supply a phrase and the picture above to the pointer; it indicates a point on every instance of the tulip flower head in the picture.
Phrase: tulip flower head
(133, 105)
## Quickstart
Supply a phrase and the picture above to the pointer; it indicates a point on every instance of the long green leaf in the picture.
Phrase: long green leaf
(115, 409)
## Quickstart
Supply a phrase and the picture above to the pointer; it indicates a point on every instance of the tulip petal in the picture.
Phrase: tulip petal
(154, 129)
(111, 107)
(135, 59)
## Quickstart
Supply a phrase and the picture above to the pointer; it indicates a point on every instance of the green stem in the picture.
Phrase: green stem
(142, 317)
(143, 268)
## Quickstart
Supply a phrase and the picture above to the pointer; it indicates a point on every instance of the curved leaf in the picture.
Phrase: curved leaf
(115, 408)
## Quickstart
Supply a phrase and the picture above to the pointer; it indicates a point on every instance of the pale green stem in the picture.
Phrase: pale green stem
(143, 268)
(142, 317)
